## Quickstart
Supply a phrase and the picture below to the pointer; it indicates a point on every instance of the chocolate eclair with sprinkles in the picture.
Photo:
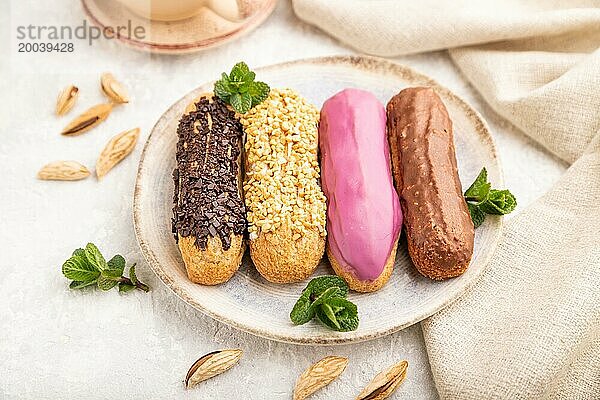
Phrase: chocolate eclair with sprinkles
(209, 216)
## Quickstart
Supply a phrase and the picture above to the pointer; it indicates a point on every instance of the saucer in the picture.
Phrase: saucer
(200, 32)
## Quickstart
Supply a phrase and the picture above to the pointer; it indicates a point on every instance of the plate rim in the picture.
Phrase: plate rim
(362, 62)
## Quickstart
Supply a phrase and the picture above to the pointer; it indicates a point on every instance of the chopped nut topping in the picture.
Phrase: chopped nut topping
(282, 168)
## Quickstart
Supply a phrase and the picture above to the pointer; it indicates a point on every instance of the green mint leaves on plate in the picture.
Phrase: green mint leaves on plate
(325, 298)
(88, 267)
(482, 199)
(338, 314)
(240, 90)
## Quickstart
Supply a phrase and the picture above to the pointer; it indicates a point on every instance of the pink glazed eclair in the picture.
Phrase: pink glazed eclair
(364, 217)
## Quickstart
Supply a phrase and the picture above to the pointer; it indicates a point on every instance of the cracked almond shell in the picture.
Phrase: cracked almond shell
(66, 99)
(319, 375)
(116, 150)
(210, 365)
(63, 171)
(385, 383)
(88, 120)
(113, 88)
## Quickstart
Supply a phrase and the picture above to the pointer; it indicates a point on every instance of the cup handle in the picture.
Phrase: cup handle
(228, 9)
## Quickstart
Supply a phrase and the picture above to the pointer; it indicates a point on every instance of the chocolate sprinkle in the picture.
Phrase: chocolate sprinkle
(207, 202)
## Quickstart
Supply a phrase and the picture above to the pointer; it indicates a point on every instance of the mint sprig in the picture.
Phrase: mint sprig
(479, 189)
(88, 267)
(482, 199)
(325, 298)
(240, 90)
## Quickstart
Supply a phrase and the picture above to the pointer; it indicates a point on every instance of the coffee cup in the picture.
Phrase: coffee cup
(169, 10)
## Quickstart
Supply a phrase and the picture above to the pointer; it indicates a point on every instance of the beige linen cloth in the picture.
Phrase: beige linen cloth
(530, 328)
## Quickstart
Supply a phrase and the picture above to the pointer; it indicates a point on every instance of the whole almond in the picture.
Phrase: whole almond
(319, 375)
(385, 383)
(210, 365)
(66, 99)
(87, 120)
(63, 171)
(113, 88)
(116, 150)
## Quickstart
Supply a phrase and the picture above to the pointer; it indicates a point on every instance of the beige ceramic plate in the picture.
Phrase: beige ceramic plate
(250, 303)
(200, 32)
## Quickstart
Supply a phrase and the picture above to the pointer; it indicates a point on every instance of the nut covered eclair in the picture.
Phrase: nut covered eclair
(439, 229)
(209, 217)
(284, 202)
(363, 211)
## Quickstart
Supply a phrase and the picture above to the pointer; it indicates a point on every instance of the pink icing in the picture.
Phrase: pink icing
(363, 211)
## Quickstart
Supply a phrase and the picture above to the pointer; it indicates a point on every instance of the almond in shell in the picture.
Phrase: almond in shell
(116, 150)
(63, 171)
(88, 120)
(210, 365)
(66, 99)
(385, 383)
(114, 89)
(319, 375)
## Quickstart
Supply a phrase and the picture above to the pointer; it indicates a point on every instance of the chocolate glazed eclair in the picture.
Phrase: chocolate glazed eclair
(439, 229)
(209, 216)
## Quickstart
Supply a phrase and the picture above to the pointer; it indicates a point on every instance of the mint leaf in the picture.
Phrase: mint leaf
(79, 252)
(247, 80)
(125, 287)
(315, 293)
(236, 101)
(244, 87)
(321, 283)
(328, 317)
(239, 72)
(80, 285)
(302, 312)
(323, 297)
(132, 275)
(222, 90)
(250, 76)
(106, 284)
(114, 274)
(479, 189)
(135, 281)
(78, 268)
(338, 314)
(259, 92)
(246, 102)
(241, 102)
(94, 256)
(477, 215)
(117, 263)
(500, 202)
(239, 89)
(108, 280)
